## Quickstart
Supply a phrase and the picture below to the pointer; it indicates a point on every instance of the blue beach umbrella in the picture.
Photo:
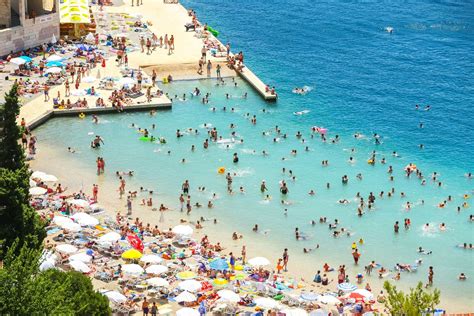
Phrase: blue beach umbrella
(26, 58)
(219, 264)
(347, 287)
(54, 64)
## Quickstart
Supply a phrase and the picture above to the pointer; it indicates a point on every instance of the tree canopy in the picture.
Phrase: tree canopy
(11, 152)
(25, 290)
(417, 302)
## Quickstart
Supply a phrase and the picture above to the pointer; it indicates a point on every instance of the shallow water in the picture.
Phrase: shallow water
(156, 169)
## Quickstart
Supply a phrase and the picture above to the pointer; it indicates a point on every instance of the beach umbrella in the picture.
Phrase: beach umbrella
(79, 266)
(37, 191)
(109, 237)
(32, 183)
(81, 256)
(135, 242)
(185, 230)
(132, 269)
(366, 294)
(60, 220)
(156, 269)
(329, 300)
(37, 175)
(190, 285)
(66, 248)
(186, 311)
(85, 219)
(219, 264)
(259, 262)
(116, 297)
(78, 93)
(266, 303)
(151, 259)
(309, 296)
(53, 39)
(54, 64)
(73, 227)
(185, 297)
(127, 81)
(49, 178)
(18, 61)
(346, 287)
(132, 254)
(186, 275)
(294, 312)
(356, 297)
(54, 58)
(229, 296)
(78, 202)
(26, 58)
(160, 282)
(53, 70)
(46, 265)
(88, 79)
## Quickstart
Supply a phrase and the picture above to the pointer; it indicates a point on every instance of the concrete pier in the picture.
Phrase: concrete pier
(256, 83)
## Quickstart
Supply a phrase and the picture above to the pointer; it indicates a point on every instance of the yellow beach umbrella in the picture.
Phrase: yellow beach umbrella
(186, 275)
(220, 282)
(132, 254)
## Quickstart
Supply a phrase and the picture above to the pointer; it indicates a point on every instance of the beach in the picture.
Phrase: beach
(122, 151)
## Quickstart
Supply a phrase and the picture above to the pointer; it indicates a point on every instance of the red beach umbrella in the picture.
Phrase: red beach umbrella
(135, 242)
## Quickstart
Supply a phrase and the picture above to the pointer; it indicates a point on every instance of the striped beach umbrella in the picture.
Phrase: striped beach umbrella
(346, 287)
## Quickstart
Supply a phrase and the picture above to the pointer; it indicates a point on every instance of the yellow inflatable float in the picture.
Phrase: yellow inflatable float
(82, 116)
(221, 170)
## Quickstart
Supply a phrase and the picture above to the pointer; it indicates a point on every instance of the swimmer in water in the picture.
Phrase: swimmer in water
(71, 150)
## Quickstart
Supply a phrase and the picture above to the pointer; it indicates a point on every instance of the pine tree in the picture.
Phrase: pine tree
(11, 152)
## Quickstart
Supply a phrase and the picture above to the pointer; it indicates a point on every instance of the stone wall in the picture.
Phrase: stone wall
(5, 13)
(30, 34)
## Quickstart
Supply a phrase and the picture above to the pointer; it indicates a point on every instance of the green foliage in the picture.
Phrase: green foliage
(17, 218)
(414, 303)
(24, 290)
(11, 152)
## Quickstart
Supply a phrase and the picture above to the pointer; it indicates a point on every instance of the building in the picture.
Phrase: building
(27, 23)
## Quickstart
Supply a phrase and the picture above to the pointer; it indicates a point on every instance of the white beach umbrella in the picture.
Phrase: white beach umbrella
(54, 58)
(132, 269)
(185, 230)
(32, 183)
(190, 285)
(46, 265)
(156, 269)
(79, 266)
(73, 227)
(367, 294)
(116, 297)
(78, 93)
(85, 219)
(79, 202)
(88, 79)
(266, 303)
(37, 175)
(259, 262)
(53, 70)
(17, 61)
(49, 178)
(61, 220)
(329, 300)
(66, 248)
(109, 237)
(229, 296)
(185, 297)
(127, 81)
(187, 311)
(160, 282)
(346, 287)
(89, 37)
(294, 312)
(81, 256)
(151, 259)
(37, 191)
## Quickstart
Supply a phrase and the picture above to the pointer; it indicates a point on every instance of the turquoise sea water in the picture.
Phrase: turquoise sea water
(364, 80)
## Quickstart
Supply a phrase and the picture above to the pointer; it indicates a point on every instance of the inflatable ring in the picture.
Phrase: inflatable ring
(466, 196)
(221, 170)
(165, 80)
(370, 161)
(82, 116)
(143, 138)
